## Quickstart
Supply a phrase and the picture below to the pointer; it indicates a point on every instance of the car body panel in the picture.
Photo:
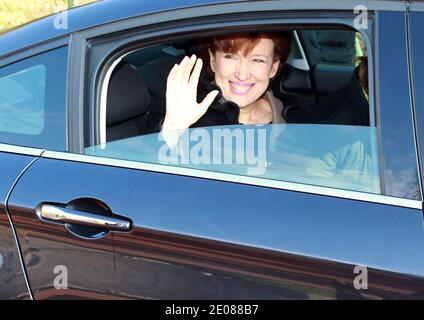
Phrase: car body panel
(181, 230)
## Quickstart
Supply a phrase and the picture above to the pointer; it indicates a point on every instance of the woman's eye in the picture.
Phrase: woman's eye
(228, 56)
(258, 60)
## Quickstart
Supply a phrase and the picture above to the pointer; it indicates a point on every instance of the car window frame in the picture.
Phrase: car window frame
(125, 49)
(113, 60)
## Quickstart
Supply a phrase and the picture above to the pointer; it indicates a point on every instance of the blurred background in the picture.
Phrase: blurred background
(16, 12)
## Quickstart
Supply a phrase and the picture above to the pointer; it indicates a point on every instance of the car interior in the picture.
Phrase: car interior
(317, 75)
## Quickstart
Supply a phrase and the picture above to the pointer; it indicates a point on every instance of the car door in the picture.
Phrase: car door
(103, 227)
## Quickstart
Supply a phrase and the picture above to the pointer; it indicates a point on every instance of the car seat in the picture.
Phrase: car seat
(128, 101)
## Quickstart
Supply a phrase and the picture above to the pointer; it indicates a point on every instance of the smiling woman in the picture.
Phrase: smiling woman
(241, 66)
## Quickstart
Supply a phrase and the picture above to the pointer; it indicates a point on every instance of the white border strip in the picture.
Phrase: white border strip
(103, 100)
(387, 5)
(301, 63)
(20, 150)
(416, 6)
(290, 186)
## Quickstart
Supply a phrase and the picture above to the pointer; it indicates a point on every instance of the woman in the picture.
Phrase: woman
(242, 66)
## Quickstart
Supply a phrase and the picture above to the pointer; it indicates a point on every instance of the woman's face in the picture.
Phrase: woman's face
(243, 79)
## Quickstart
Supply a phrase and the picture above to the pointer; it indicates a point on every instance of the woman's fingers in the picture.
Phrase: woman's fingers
(187, 68)
(181, 93)
(209, 99)
(180, 70)
(195, 75)
(172, 74)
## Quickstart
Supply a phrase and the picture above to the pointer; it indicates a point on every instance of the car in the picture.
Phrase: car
(328, 205)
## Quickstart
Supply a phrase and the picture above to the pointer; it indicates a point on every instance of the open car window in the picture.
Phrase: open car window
(326, 138)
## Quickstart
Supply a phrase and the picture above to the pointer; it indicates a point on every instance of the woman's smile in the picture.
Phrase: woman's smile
(240, 88)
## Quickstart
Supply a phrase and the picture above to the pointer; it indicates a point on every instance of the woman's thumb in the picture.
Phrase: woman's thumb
(209, 99)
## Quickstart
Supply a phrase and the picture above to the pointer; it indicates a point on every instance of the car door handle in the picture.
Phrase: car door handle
(52, 213)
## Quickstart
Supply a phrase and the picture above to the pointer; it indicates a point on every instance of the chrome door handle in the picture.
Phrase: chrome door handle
(52, 213)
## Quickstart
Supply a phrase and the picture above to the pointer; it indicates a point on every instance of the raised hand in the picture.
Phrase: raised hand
(182, 108)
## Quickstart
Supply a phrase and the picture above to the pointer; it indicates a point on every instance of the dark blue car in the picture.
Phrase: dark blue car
(328, 205)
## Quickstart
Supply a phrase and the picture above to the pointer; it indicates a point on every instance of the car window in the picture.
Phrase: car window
(32, 101)
(330, 143)
(344, 157)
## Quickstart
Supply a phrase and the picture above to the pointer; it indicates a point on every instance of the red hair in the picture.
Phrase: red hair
(247, 41)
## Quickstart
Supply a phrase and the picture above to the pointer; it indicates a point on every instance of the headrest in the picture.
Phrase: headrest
(157, 72)
(127, 95)
(293, 79)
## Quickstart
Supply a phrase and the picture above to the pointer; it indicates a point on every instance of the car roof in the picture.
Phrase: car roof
(98, 13)
(86, 16)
